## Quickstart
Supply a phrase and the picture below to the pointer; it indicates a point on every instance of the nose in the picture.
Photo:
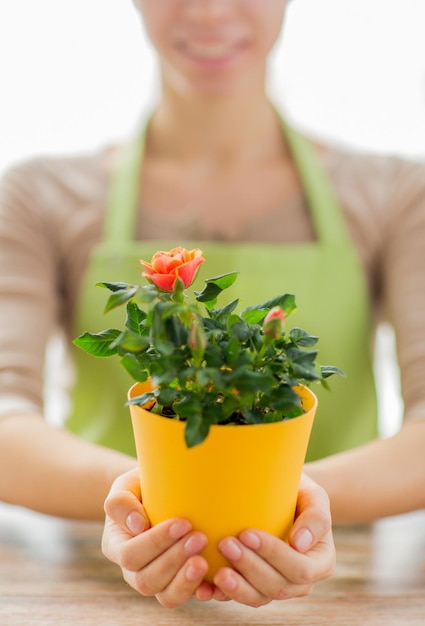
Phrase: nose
(208, 10)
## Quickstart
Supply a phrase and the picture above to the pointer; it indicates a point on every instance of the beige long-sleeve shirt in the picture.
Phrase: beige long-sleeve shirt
(51, 215)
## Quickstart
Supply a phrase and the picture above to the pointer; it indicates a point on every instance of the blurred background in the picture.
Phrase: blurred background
(74, 73)
(73, 77)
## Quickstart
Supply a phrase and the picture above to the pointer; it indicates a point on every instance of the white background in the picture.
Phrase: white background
(75, 75)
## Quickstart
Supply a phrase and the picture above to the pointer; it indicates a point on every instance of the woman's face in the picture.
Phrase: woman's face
(212, 46)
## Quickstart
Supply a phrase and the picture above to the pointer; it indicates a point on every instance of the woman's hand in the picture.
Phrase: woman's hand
(265, 568)
(163, 561)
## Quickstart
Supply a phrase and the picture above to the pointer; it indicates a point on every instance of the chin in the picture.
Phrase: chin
(215, 79)
(217, 86)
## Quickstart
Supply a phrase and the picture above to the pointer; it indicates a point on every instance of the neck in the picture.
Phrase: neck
(221, 129)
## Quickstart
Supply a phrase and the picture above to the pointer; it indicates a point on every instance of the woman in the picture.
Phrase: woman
(218, 166)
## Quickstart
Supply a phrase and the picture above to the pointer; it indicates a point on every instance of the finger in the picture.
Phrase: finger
(267, 588)
(137, 552)
(113, 538)
(297, 568)
(313, 516)
(219, 595)
(123, 504)
(185, 584)
(205, 591)
(170, 574)
(263, 577)
(234, 586)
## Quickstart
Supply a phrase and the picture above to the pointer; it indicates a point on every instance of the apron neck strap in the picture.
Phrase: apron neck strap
(324, 206)
(122, 198)
(123, 193)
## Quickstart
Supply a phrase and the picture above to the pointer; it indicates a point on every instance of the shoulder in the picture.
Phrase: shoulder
(383, 201)
(46, 183)
(383, 186)
(54, 207)
(378, 193)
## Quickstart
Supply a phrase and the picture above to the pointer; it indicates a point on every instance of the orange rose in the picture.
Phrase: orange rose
(165, 267)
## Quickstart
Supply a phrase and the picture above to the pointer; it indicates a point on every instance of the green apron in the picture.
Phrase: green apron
(326, 277)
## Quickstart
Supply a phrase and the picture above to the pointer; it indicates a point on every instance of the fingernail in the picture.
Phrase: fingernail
(229, 582)
(179, 528)
(192, 573)
(195, 543)
(250, 540)
(303, 540)
(230, 549)
(136, 523)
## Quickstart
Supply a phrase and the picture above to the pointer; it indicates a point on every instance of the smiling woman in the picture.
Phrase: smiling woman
(212, 61)
(216, 163)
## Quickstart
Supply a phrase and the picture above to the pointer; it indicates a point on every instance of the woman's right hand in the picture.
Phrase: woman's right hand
(162, 561)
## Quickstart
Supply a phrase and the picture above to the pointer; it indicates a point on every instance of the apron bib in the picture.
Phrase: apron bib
(326, 277)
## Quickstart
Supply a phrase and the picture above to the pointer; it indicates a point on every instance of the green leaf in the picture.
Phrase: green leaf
(167, 395)
(302, 338)
(143, 399)
(188, 406)
(252, 416)
(207, 375)
(98, 344)
(303, 364)
(148, 293)
(115, 286)
(196, 430)
(135, 318)
(246, 381)
(295, 355)
(135, 368)
(239, 328)
(214, 286)
(285, 400)
(120, 297)
(254, 316)
(285, 302)
(225, 310)
(162, 371)
(203, 377)
(232, 350)
(223, 281)
(330, 370)
(229, 405)
(213, 356)
(177, 334)
(213, 325)
(128, 341)
(164, 347)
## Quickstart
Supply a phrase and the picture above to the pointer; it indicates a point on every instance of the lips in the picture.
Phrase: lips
(211, 48)
(211, 51)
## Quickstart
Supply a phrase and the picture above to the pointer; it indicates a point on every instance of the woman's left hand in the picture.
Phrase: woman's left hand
(264, 568)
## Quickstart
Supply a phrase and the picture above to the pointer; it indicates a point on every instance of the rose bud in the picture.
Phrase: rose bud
(274, 322)
(197, 341)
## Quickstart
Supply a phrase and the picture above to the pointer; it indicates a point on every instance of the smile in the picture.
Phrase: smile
(214, 51)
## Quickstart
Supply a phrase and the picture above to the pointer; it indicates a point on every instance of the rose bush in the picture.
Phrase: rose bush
(207, 365)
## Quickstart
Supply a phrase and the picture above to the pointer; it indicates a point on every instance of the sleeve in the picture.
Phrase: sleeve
(403, 276)
(28, 292)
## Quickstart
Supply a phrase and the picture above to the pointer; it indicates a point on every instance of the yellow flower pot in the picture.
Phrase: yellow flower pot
(239, 477)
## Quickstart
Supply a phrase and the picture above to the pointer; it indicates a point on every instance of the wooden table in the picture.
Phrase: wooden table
(53, 573)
